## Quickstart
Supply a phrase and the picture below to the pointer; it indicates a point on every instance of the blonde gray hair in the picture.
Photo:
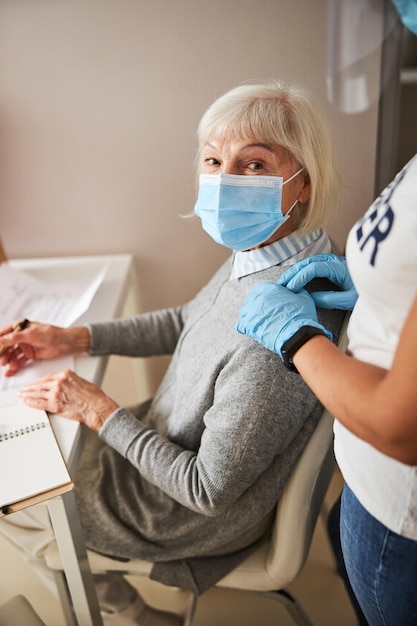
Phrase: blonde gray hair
(284, 115)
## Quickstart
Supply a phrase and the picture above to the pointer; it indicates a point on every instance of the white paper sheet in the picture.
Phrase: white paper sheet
(9, 387)
(62, 304)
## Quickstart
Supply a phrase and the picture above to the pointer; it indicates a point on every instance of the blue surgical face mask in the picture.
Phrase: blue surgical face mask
(241, 212)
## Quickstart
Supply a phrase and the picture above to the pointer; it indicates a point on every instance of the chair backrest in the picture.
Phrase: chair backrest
(302, 499)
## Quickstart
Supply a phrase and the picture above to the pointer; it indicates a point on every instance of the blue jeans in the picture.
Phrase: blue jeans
(381, 566)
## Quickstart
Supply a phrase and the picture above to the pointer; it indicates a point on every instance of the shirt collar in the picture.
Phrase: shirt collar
(285, 251)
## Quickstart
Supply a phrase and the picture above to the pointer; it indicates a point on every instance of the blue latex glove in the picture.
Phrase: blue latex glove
(272, 314)
(323, 266)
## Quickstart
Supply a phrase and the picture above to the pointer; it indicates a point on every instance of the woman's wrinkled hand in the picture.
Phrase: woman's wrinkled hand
(38, 342)
(65, 393)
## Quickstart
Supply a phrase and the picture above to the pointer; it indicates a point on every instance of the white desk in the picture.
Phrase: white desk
(109, 302)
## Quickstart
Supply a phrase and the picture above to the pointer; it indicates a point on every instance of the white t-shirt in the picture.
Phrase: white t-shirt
(382, 258)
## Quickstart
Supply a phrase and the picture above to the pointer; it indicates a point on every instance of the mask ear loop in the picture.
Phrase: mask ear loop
(287, 215)
(293, 176)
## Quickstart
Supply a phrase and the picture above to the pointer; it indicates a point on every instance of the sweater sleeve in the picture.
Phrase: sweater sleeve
(246, 429)
(148, 334)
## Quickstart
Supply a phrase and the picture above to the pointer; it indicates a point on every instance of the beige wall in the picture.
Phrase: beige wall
(99, 103)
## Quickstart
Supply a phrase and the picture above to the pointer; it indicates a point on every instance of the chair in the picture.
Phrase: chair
(282, 555)
(19, 612)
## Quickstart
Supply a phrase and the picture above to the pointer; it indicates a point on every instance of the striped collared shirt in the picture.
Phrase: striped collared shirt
(286, 251)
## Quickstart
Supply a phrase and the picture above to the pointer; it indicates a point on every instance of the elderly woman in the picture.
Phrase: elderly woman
(191, 479)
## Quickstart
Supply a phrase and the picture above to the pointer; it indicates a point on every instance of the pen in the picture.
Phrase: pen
(20, 326)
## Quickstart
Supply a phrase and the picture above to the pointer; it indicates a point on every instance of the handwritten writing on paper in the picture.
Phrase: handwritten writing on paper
(62, 304)
(23, 295)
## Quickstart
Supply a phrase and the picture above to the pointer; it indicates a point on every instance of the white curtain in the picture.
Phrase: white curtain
(356, 30)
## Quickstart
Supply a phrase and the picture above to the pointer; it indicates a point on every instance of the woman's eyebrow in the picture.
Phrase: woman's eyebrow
(249, 145)
(259, 145)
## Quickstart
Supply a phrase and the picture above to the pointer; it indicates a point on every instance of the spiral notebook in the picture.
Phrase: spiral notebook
(32, 468)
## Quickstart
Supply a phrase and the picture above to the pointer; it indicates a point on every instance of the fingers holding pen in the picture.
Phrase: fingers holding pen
(14, 328)
(12, 356)
(25, 341)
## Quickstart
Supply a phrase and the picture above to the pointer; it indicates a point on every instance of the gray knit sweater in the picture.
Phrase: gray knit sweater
(190, 482)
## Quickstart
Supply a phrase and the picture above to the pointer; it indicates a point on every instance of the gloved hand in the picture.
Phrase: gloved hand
(323, 266)
(272, 314)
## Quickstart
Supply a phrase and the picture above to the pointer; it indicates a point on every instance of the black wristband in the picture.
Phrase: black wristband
(299, 338)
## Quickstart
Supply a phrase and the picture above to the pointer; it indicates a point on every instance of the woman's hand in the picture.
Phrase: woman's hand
(71, 396)
(329, 266)
(272, 314)
(37, 342)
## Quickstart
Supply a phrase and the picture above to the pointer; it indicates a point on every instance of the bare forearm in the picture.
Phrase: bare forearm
(370, 401)
(75, 340)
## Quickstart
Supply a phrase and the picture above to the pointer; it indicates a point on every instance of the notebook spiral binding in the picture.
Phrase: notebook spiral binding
(22, 431)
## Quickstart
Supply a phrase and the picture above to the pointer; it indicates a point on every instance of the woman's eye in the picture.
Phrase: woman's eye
(211, 161)
(255, 165)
